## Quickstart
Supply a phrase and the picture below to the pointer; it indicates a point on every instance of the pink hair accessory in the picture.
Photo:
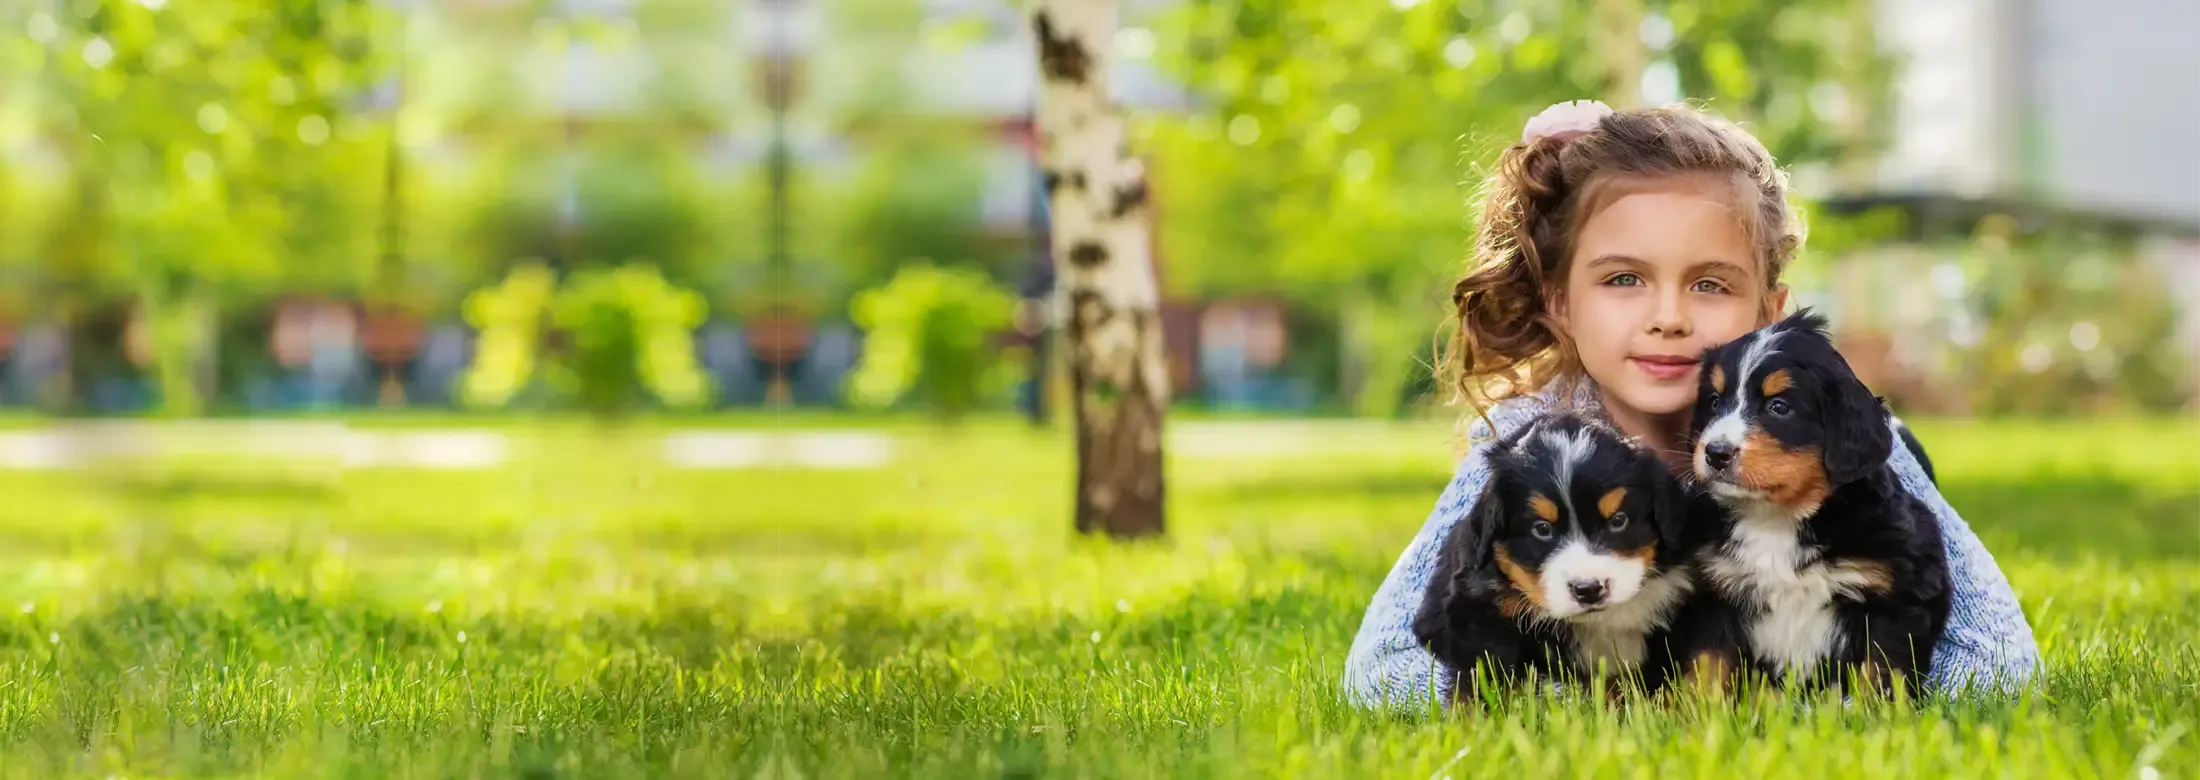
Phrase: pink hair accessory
(1565, 120)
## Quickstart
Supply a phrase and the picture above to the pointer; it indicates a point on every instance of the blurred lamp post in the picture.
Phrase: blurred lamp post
(779, 87)
(388, 352)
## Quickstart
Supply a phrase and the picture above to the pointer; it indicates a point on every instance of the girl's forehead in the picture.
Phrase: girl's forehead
(1725, 190)
(1664, 228)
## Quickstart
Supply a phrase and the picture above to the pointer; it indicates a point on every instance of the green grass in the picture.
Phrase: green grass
(586, 613)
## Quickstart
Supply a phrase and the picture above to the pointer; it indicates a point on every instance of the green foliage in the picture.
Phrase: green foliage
(625, 333)
(2067, 324)
(927, 334)
(913, 182)
(625, 201)
(586, 611)
(628, 332)
(509, 319)
(915, 195)
(217, 142)
(1832, 235)
(181, 329)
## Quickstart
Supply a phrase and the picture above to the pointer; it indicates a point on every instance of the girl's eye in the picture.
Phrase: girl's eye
(1624, 279)
(1542, 531)
(1712, 286)
(1619, 521)
(1777, 408)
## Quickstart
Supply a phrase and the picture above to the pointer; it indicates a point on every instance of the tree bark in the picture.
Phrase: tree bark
(1107, 292)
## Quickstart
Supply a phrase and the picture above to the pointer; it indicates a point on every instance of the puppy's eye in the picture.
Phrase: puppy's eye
(1619, 521)
(1714, 400)
(1542, 531)
(1777, 408)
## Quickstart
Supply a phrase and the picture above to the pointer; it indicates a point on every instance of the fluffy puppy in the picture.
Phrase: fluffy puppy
(1570, 565)
(1823, 569)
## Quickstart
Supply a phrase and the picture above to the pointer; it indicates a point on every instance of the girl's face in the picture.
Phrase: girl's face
(1661, 272)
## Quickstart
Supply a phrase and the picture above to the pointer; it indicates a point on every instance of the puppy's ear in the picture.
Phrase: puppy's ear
(1459, 562)
(1458, 623)
(1473, 538)
(1857, 436)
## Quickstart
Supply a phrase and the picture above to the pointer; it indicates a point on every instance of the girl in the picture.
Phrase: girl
(1612, 249)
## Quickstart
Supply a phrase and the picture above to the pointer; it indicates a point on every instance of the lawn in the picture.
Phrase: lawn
(585, 611)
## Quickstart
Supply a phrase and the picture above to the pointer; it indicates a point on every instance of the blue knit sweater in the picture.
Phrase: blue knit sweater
(1987, 645)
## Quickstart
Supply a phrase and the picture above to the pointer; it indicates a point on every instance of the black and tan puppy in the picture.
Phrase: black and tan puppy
(1570, 566)
(1823, 568)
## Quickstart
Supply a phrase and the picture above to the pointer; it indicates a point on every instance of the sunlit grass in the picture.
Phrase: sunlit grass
(585, 611)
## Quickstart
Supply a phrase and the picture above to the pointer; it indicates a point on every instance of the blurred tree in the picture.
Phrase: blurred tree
(621, 161)
(1326, 166)
(1119, 380)
(914, 197)
(596, 205)
(221, 151)
(902, 180)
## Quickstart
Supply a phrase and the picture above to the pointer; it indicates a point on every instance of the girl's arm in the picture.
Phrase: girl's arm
(1988, 644)
(1387, 666)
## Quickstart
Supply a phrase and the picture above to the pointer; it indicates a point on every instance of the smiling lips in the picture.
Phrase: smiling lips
(1665, 367)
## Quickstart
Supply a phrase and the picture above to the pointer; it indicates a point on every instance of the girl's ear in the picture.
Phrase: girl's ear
(1554, 301)
(1776, 303)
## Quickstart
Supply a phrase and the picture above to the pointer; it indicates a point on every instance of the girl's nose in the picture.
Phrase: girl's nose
(1669, 319)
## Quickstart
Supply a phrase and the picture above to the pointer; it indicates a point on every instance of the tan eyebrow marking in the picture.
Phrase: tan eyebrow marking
(1543, 508)
(1610, 502)
(1778, 383)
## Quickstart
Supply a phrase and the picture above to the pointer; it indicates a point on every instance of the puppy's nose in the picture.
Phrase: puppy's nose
(1718, 455)
(1587, 593)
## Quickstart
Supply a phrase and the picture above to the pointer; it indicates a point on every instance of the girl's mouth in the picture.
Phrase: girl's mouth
(1665, 367)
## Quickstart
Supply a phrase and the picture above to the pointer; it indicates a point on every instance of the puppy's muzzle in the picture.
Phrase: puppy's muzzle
(1718, 456)
(1589, 593)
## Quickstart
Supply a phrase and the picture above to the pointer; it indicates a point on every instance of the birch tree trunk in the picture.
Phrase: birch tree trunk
(1108, 295)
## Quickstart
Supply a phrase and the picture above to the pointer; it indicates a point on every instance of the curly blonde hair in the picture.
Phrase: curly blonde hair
(1505, 343)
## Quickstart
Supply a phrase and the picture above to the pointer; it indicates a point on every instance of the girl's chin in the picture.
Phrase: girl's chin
(1653, 402)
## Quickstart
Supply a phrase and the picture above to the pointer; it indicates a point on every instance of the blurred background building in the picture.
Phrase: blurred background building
(2044, 116)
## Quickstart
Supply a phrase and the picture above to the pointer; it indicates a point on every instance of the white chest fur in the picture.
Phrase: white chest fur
(1764, 564)
(1616, 637)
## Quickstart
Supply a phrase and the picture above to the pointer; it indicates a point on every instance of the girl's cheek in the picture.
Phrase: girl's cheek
(1726, 321)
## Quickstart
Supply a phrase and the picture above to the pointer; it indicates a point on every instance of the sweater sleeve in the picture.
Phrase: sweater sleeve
(1988, 644)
